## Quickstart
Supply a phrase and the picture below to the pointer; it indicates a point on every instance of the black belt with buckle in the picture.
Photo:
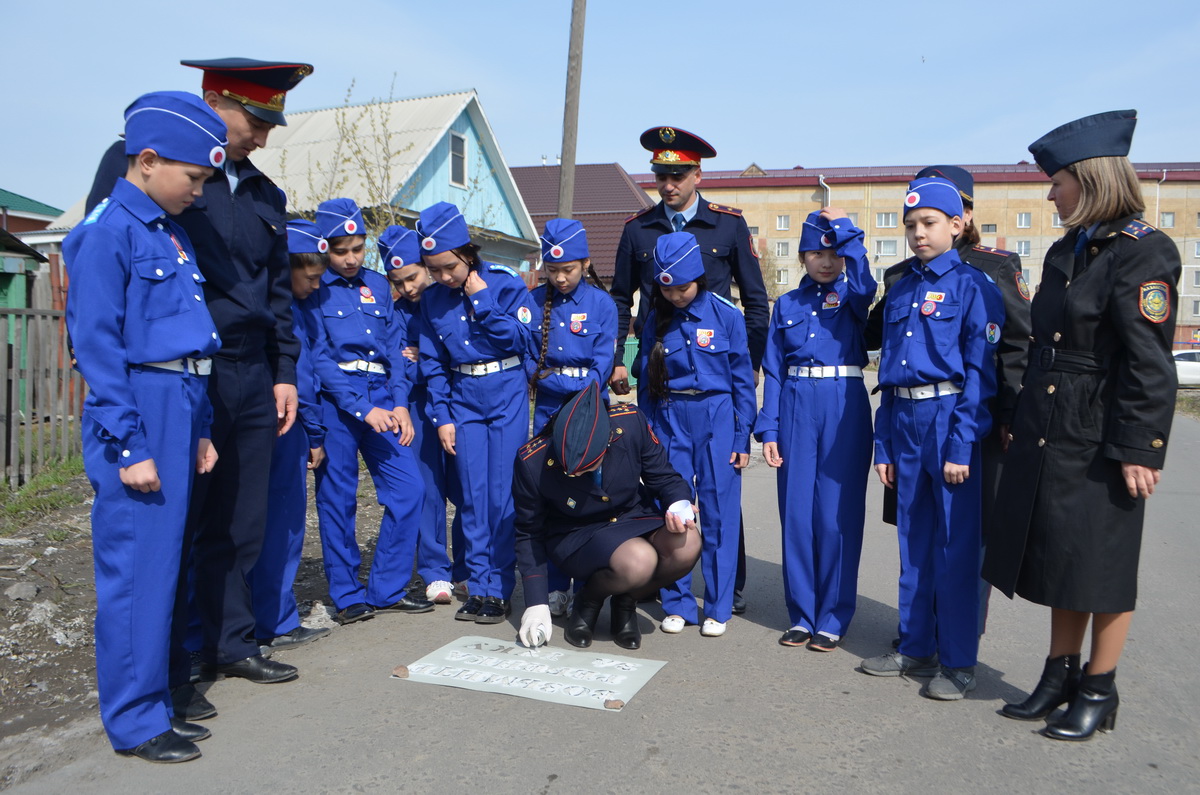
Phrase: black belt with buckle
(1054, 359)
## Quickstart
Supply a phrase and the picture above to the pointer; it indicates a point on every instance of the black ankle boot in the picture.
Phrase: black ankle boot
(624, 622)
(1060, 680)
(582, 621)
(1093, 707)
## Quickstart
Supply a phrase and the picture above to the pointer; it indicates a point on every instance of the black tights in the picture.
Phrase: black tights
(640, 566)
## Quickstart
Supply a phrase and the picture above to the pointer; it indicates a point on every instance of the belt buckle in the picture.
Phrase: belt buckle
(1046, 357)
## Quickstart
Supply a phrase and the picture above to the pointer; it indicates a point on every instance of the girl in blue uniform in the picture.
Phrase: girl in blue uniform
(815, 426)
(364, 398)
(475, 336)
(696, 384)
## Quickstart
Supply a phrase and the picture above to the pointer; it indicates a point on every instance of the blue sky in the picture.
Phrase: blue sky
(780, 84)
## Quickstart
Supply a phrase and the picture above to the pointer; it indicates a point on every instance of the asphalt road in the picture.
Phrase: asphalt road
(737, 713)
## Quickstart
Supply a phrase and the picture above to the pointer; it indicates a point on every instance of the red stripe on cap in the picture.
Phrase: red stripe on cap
(243, 90)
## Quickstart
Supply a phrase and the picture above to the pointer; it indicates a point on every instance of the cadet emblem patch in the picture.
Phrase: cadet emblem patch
(579, 316)
(367, 296)
(576, 326)
(704, 337)
(1155, 305)
(932, 296)
(928, 308)
(524, 315)
(993, 333)
(832, 300)
(1022, 285)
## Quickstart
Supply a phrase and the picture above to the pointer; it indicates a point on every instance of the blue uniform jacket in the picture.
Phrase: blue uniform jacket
(943, 324)
(565, 513)
(355, 320)
(705, 347)
(456, 328)
(583, 328)
(728, 253)
(241, 243)
(307, 383)
(136, 297)
(817, 324)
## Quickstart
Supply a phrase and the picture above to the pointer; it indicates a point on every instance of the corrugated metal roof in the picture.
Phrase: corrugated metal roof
(15, 202)
(599, 187)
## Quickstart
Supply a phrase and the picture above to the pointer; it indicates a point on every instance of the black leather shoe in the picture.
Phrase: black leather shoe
(821, 642)
(257, 669)
(623, 621)
(493, 611)
(359, 611)
(739, 603)
(297, 637)
(1093, 707)
(190, 704)
(409, 604)
(1058, 685)
(581, 624)
(469, 609)
(795, 637)
(166, 748)
(192, 732)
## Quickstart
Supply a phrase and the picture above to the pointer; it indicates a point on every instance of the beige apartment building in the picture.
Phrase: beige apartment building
(1011, 213)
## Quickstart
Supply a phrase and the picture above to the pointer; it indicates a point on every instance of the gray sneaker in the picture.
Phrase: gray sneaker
(894, 664)
(950, 684)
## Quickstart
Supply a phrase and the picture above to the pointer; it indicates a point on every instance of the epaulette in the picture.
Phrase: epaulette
(621, 409)
(532, 446)
(721, 208)
(1137, 229)
(723, 300)
(496, 267)
(989, 250)
(640, 213)
(96, 212)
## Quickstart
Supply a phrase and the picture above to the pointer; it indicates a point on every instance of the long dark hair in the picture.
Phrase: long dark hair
(664, 312)
(969, 237)
(469, 253)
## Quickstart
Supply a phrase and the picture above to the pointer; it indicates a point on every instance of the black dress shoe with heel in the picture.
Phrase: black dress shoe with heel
(1059, 682)
(257, 669)
(192, 732)
(493, 610)
(623, 621)
(166, 748)
(581, 624)
(290, 640)
(409, 604)
(359, 611)
(1093, 707)
(469, 609)
(190, 703)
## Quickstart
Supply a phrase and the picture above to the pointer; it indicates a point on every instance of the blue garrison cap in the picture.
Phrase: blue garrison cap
(1102, 135)
(677, 259)
(305, 238)
(564, 241)
(441, 228)
(579, 438)
(961, 178)
(398, 247)
(940, 194)
(813, 235)
(176, 125)
(340, 218)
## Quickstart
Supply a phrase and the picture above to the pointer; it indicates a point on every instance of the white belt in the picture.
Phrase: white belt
(363, 366)
(830, 371)
(487, 368)
(573, 372)
(193, 366)
(926, 391)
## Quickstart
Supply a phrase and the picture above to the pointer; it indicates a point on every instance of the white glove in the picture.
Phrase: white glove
(535, 626)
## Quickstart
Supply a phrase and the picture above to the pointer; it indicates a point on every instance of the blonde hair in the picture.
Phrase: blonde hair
(1109, 189)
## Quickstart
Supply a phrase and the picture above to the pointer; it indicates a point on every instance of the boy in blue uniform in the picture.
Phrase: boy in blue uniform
(297, 451)
(937, 372)
(815, 426)
(143, 337)
(364, 399)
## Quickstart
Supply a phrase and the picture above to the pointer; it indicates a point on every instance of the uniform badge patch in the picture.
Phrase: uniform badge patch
(576, 327)
(366, 295)
(932, 296)
(832, 300)
(570, 502)
(1155, 305)
(993, 333)
(704, 337)
(579, 316)
(1022, 285)
(928, 308)
(524, 315)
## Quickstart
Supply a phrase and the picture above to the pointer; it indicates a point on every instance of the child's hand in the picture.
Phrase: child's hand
(887, 474)
(474, 283)
(412, 353)
(739, 460)
(771, 454)
(446, 435)
(832, 213)
(206, 457)
(142, 476)
(404, 426)
(316, 457)
(380, 420)
(956, 473)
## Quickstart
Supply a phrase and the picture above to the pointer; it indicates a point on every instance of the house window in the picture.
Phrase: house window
(853, 218)
(458, 159)
(781, 276)
(1024, 220)
(1198, 248)
(879, 274)
(753, 231)
(1056, 221)
(1023, 248)
(1196, 307)
(1166, 220)
(781, 248)
(1196, 278)
(783, 222)
(885, 220)
(885, 248)
(987, 229)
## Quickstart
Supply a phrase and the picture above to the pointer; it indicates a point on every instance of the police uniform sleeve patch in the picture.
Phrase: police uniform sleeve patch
(497, 268)
(524, 315)
(1137, 229)
(1022, 285)
(1155, 303)
(753, 248)
(653, 438)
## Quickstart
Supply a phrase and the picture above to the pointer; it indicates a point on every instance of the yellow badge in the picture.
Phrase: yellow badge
(932, 296)
(580, 316)
(1155, 305)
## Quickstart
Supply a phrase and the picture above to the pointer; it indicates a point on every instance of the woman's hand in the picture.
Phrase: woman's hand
(474, 283)
(1140, 480)
(771, 454)
(206, 457)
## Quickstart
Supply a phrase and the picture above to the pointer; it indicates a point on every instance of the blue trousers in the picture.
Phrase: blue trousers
(274, 573)
(938, 526)
(698, 433)
(825, 442)
(398, 488)
(491, 418)
(433, 560)
(138, 546)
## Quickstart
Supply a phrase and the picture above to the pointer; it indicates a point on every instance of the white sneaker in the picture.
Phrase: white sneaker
(560, 602)
(460, 589)
(712, 628)
(439, 592)
(673, 625)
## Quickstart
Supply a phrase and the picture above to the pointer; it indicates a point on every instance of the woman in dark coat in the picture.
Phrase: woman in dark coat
(1090, 434)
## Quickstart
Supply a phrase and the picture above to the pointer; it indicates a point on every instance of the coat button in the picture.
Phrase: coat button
(604, 499)
(613, 519)
(1093, 251)
(1050, 389)
(549, 462)
(1041, 442)
(1157, 443)
(158, 271)
(196, 297)
(370, 353)
(1057, 336)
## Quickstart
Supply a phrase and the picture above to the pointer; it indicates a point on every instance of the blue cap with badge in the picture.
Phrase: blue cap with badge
(677, 259)
(442, 228)
(814, 233)
(564, 241)
(940, 194)
(176, 125)
(961, 178)
(340, 218)
(305, 238)
(1107, 134)
(399, 247)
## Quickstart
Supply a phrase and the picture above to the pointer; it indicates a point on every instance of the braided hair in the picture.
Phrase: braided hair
(664, 313)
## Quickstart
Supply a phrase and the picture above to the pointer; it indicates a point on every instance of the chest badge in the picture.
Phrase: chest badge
(570, 502)
(365, 295)
(928, 308)
(832, 300)
(704, 337)
(579, 316)
(932, 296)
(1155, 305)
(576, 326)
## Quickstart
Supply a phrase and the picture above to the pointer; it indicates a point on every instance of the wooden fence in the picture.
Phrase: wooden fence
(42, 399)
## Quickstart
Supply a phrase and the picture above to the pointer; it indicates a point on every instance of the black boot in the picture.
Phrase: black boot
(1060, 680)
(624, 622)
(582, 621)
(1093, 707)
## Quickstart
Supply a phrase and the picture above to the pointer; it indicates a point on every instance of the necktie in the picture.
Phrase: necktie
(1080, 252)
(596, 476)
(677, 221)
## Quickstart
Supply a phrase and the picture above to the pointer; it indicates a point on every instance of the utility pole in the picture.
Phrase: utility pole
(566, 173)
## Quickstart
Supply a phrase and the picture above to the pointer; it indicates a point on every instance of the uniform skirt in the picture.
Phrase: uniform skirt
(597, 551)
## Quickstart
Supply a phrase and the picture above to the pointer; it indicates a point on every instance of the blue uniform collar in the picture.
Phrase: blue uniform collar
(330, 276)
(941, 264)
(807, 283)
(139, 205)
(572, 296)
(698, 213)
(695, 310)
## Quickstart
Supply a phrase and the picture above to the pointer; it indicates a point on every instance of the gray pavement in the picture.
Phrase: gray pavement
(737, 713)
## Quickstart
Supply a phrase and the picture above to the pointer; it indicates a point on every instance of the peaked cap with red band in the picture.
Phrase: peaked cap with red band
(675, 150)
(581, 429)
(260, 86)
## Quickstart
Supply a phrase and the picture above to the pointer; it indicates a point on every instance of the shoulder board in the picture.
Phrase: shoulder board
(721, 208)
(498, 268)
(640, 213)
(1137, 229)
(989, 250)
(621, 410)
(725, 301)
(96, 212)
(532, 446)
